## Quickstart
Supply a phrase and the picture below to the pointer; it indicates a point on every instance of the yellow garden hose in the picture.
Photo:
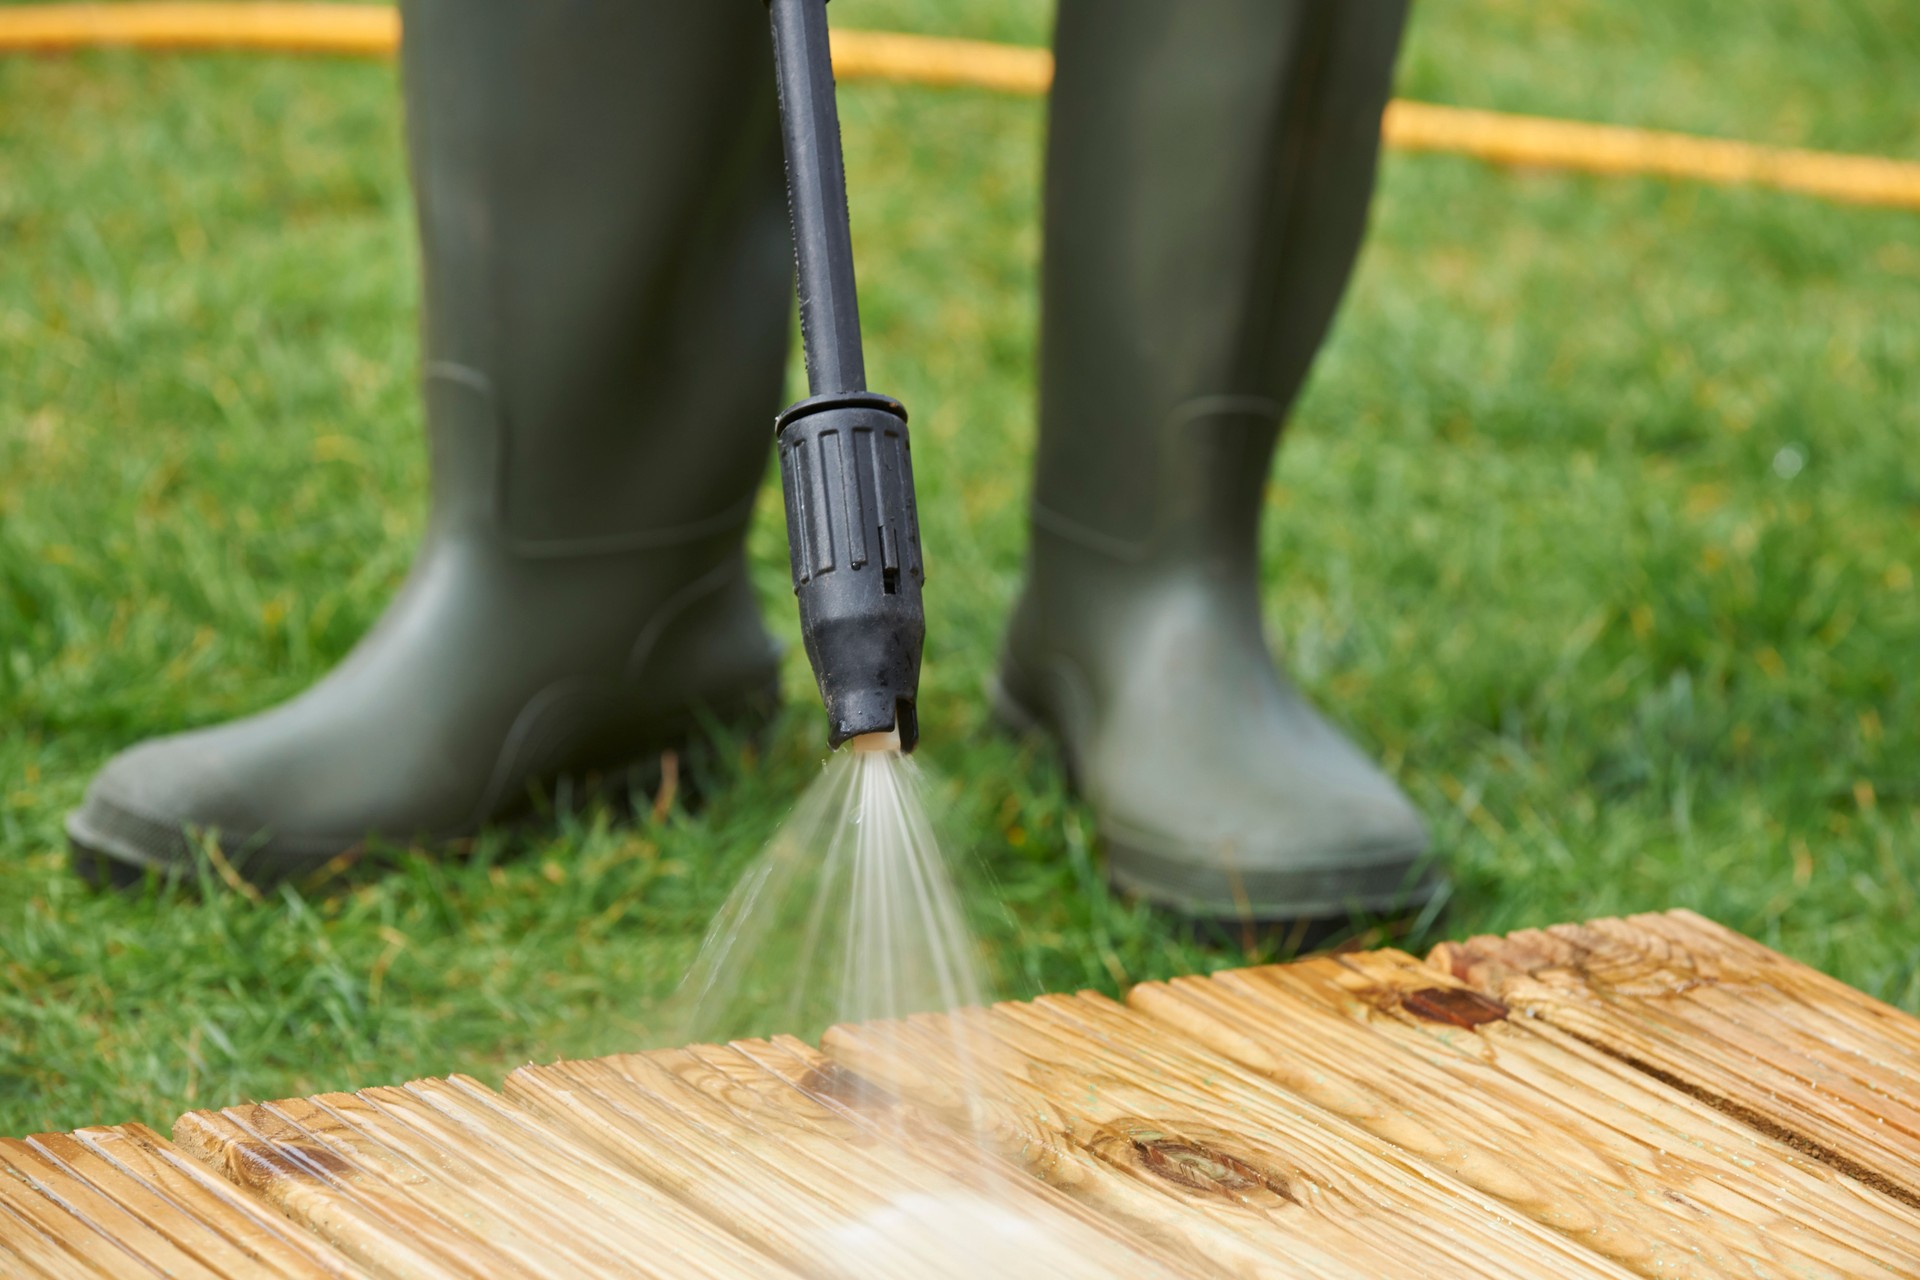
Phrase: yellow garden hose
(1546, 143)
(1497, 137)
(291, 28)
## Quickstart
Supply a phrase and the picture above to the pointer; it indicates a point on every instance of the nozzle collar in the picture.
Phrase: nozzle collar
(838, 400)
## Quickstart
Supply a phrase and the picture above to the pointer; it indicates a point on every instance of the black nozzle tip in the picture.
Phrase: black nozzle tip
(867, 663)
(846, 724)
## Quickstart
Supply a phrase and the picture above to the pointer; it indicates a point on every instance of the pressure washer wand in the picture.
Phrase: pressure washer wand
(845, 466)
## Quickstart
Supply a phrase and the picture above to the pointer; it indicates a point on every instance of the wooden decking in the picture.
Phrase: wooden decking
(1647, 1097)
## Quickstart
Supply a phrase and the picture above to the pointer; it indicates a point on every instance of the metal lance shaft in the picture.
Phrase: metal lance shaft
(845, 466)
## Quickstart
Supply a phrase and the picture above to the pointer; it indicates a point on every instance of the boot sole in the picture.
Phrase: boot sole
(1173, 879)
(123, 869)
(1396, 886)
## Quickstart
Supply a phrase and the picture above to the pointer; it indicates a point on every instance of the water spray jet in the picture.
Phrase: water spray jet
(845, 466)
(850, 916)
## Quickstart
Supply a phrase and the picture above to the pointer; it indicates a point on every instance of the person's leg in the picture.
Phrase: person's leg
(1208, 178)
(607, 290)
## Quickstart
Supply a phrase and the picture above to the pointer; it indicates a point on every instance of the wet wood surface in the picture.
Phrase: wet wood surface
(1769, 1042)
(444, 1178)
(1653, 1097)
(1573, 1139)
(1241, 1171)
(125, 1202)
(820, 1167)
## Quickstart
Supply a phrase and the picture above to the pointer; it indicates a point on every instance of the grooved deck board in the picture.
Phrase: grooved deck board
(815, 1165)
(1572, 1138)
(1087, 1090)
(124, 1201)
(1651, 1097)
(1770, 1042)
(444, 1178)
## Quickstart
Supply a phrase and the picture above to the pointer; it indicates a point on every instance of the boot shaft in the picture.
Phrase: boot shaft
(607, 271)
(1209, 170)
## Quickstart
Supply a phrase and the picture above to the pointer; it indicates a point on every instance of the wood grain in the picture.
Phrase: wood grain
(444, 1178)
(1743, 1030)
(1108, 1104)
(1575, 1140)
(124, 1201)
(821, 1169)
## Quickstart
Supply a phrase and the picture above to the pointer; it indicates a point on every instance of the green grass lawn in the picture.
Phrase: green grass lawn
(1600, 523)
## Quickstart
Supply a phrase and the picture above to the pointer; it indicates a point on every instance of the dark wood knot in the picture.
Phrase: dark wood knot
(256, 1164)
(831, 1082)
(1190, 1161)
(1455, 1006)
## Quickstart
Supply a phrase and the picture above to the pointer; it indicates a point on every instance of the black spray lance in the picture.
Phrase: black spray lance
(844, 462)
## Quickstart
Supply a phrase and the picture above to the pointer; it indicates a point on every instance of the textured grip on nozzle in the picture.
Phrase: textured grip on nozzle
(854, 536)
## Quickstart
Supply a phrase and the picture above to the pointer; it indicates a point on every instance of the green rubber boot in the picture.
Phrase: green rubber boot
(1209, 172)
(608, 274)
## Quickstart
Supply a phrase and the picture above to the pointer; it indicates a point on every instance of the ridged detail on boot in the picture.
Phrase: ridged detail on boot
(547, 734)
(469, 410)
(1198, 478)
